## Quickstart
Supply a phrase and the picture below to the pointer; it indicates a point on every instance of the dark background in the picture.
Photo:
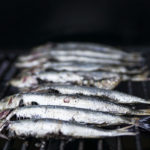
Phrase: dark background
(27, 23)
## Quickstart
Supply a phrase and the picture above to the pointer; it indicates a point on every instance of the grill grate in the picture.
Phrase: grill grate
(139, 142)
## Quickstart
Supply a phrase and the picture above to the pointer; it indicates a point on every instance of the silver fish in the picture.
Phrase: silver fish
(67, 114)
(84, 46)
(71, 66)
(46, 128)
(87, 53)
(79, 56)
(114, 96)
(91, 67)
(76, 46)
(89, 79)
(73, 58)
(77, 101)
(144, 76)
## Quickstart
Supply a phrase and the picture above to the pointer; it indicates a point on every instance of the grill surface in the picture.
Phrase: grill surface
(139, 142)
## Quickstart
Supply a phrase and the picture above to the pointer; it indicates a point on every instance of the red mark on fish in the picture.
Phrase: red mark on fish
(66, 100)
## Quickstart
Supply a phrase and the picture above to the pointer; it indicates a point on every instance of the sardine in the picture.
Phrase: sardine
(92, 67)
(85, 46)
(71, 66)
(67, 114)
(78, 56)
(73, 58)
(144, 76)
(78, 101)
(86, 53)
(101, 81)
(46, 128)
(114, 96)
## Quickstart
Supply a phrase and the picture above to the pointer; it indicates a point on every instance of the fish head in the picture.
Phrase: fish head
(4, 113)
(10, 102)
(25, 81)
(3, 126)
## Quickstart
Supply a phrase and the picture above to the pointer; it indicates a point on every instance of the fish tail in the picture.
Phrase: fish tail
(147, 102)
(126, 131)
(142, 112)
(144, 123)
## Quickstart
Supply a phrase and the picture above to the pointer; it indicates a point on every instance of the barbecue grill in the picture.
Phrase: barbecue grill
(138, 142)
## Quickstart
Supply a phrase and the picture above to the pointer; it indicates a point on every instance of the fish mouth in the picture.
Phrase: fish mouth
(4, 113)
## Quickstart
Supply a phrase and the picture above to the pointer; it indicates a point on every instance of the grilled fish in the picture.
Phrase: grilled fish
(95, 74)
(87, 53)
(114, 96)
(89, 79)
(71, 66)
(46, 128)
(67, 114)
(72, 58)
(77, 56)
(90, 47)
(78, 101)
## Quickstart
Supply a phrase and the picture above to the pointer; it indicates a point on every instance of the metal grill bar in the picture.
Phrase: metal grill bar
(81, 145)
(53, 145)
(62, 144)
(137, 137)
(145, 90)
(100, 145)
(119, 143)
(7, 145)
(24, 145)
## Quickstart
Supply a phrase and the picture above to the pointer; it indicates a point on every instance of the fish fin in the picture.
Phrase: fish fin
(141, 77)
(143, 112)
(144, 123)
(126, 128)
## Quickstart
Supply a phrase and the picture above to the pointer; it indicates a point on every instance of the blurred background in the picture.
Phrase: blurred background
(28, 23)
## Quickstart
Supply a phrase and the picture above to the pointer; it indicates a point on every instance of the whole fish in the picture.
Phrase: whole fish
(78, 101)
(114, 96)
(46, 128)
(71, 66)
(107, 82)
(53, 52)
(79, 56)
(73, 58)
(90, 53)
(86, 46)
(95, 74)
(67, 114)
(92, 67)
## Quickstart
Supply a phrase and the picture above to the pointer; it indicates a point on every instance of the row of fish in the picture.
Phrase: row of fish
(65, 91)
(80, 64)
(53, 111)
